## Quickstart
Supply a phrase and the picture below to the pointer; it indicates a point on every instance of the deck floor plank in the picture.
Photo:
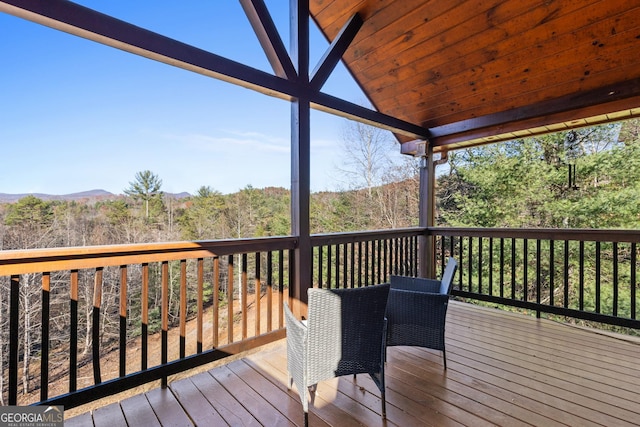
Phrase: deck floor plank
(167, 408)
(573, 383)
(233, 412)
(138, 411)
(323, 411)
(258, 406)
(195, 404)
(503, 369)
(109, 416)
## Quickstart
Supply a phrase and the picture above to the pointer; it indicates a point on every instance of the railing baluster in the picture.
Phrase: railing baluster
(566, 275)
(581, 277)
(491, 266)
(366, 264)
(73, 332)
(634, 261)
(480, 253)
(230, 277)
(501, 267)
(258, 294)
(538, 274)
(14, 316)
(525, 264)
(123, 320)
(164, 313)
(144, 301)
(552, 272)
(345, 265)
(328, 272)
(598, 270)
(243, 297)
(470, 265)
(513, 268)
(352, 283)
(269, 291)
(183, 308)
(97, 303)
(281, 286)
(359, 264)
(200, 304)
(615, 278)
(320, 267)
(337, 270)
(44, 341)
(216, 302)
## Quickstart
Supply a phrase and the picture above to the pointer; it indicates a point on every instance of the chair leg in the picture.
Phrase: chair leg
(306, 419)
(384, 405)
(444, 359)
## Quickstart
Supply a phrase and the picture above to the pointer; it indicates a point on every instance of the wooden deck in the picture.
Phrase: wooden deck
(503, 369)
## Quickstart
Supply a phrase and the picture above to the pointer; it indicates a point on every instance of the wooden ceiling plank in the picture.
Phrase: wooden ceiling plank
(548, 71)
(397, 18)
(514, 96)
(460, 72)
(402, 28)
(438, 36)
(332, 16)
(269, 38)
(335, 51)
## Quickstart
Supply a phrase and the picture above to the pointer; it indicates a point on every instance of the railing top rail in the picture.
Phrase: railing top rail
(68, 258)
(361, 236)
(592, 235)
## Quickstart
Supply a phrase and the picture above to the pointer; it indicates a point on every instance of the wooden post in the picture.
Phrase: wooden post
(426, 243)
(300, 158)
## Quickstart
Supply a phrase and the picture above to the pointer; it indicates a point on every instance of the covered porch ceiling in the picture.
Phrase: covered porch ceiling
(481, 71)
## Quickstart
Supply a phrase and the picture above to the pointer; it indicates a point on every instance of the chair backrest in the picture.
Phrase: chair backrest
(346, 328)
(447, 277)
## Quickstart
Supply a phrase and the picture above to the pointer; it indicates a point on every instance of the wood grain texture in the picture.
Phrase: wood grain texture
(503, 369)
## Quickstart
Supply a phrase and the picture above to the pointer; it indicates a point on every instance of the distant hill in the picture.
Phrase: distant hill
(91, 195)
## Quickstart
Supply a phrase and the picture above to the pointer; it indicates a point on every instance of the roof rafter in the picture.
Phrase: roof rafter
(334, 53)
(269, 38)
(87, 23)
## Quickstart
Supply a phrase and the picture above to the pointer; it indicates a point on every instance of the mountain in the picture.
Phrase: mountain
(91, 195)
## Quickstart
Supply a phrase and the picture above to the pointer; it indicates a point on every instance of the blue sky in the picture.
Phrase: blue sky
(76, 115)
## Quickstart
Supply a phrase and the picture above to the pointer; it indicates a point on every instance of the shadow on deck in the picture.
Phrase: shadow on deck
(503, 369)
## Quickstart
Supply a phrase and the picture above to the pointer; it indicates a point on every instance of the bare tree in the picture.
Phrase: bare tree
(366, 155)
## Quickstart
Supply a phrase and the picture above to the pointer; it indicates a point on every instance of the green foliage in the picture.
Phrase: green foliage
(29, 211)
(145, 187)
(525, 183)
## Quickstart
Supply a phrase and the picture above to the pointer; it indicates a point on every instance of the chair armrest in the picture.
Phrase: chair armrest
(297, 338)
(296, 329)
(416, 284)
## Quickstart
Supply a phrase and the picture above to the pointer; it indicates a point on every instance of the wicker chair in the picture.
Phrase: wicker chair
(344, 335)
(417, 310)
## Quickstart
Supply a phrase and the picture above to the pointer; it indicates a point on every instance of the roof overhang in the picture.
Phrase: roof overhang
(479, 72)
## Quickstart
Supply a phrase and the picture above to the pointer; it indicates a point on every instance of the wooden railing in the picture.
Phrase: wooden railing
(164, 308)
(74, 308)
(351, 260)
(582, 274)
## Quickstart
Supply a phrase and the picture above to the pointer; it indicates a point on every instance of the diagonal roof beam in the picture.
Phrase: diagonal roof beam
(334, 53)
(87, 23)
(269, 38)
